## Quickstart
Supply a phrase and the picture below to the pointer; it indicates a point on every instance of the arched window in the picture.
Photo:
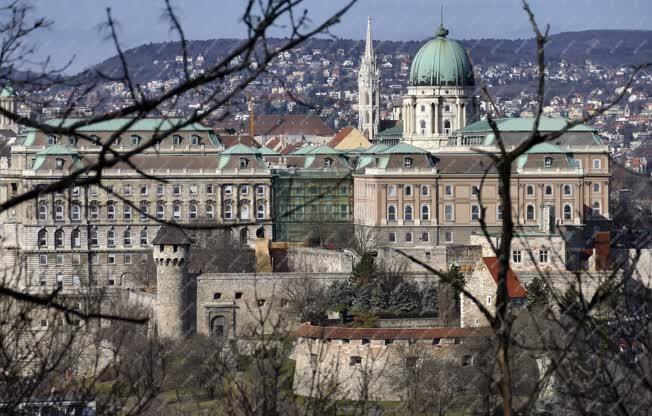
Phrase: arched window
(529, 190)
(75, 212)
(176, 211)
(144, 240)
(93, 237)
(59, 279)
(210, 211)
(228, 212)
(425, 213)
(75, 238)
(548, 189)
(408, 190)
(244, 236)
(244, 212)
(43, 211)
(160, 212)
(391, 190)
(218, 324)
(260, 211)
(127, 237)
(568, 190)
(425, 190)
(127, 212)
(192, 211)
(94, 211)
(407, 213)
(194, 139)
(135, 140)
(143, 212)
(596, 208)
(422, 125)
(244, 162)
(391, 213)
(58, 239)
(110, 238)
(447, 126)
(568, 212)
(110, 210)
(176, 140)
(529, 213)
(59, 212)
(42, 238)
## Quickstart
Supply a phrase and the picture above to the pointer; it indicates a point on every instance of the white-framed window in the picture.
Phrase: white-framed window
(127, 237)
(260, 189)
(244, 189)
(499, 212)
(244, 212)
(192, 190)
(530, 213)
(160, 190)
(126, 190)
(597, 164)
(448, 236)
(59, 212)
(58, 259)
(244, 162)
(407, 213)
(110, 259)
(42, 238)
(176, 190)
(127, 258)
(76, 259)
(408, 237)
(42, 211)
(449, 212)
(475, 212)
(126, 213)
(110, 238)
(143, 212)
(391, 237)
(210, 189)
(568, 189)
(144, 190)
(176, 211)
(58, 239)
(529, 190)
(547, 162)
(194, 139)
(425, 190)
(210, 211)
(75, 191)
(596, 187)
(228, 212)
(517, 256)
(425, 212)
(75, 212)
(228, 190)
(568, 212)
(425, 237)
(192, 211)
(391, 213)
(328, 162)
(596, 208)
(43, 259)
(144, 240)
(95, 211)
(135, 140)
(408, 162)
(448, 190)
(408, 190)
(75, 238)
(543, 256)
(475, 191)
(160, 212)
(52, 139)
(76, 281)
(260, 211)
(110, 210)
(176, 140)
(92, 236)
(391, 190)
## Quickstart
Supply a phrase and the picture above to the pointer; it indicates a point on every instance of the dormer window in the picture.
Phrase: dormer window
(328, 162)
(244, 162)
(176, 140)
(135, 140)
(408, 162)
(72, 140)
(547, 162)
(194, 139)
(52, 140)
(59, 163)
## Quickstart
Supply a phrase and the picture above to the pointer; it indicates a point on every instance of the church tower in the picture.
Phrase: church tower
(369, 90)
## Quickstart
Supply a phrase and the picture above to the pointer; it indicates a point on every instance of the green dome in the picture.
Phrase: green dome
(441, 62)
(7, 91)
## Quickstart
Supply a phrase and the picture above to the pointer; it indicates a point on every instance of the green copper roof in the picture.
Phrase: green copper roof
(266, 151)
(57, 149)
(303, 150)
(396, 130)
(545, 148)
(441, 62)
(324, 150)
(522, 124)
(145, 124)
(7, 91)
(404, 149)
(377, 148)
(240, 149)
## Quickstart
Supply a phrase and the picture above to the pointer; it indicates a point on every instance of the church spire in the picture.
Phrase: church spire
(369, 47)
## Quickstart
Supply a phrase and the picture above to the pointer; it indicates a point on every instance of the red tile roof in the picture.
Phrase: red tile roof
(337, 332)
(231, 140)
(296, 125)
(341, 135)
(514, 287)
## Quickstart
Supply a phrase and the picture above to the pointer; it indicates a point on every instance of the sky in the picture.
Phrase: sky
(76, 32)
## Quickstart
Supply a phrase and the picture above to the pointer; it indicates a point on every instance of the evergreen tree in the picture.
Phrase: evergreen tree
(362, 300)
(570, 303)
(364, 271)
(429, 299)
(402, 299)
(340, 295)
(538, 292)
(378, 298)
(455, 278)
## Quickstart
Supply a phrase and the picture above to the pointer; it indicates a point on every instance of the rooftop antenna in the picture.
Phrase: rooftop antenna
(442, 32)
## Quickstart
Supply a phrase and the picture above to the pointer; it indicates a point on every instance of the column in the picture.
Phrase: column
(218, 203)
(436, 127)
(383, 204)
(268, 201)
(463, 116)
(399, 205)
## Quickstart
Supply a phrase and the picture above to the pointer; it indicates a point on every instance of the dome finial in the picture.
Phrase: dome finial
(442, 31)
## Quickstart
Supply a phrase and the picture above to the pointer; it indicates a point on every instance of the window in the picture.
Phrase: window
(94, 258)
(143, 237)
(260, 212)
(228, 189)
(217, 295)
(244, 189)
(547, 162)
(408, 237)
(448, 190)
(75, 191)
(489, 299)
(52, 140)
(407, 213)
(43, 259)
(244, 212)
(110, 210)
(425, 213)
(423, 108)
(176, 211)
(529, 213)
(475, 212)
(244, 162)
(192, 190)
(95, 212)
(58, 212)
(43, 211)
(425, 190)
(176, 140)
(210, 189)
(75, 238)
(127, 238)
(58, 259)
(568, 190)
(75, 212)
(597, 163)
(238, 295)
(192, 211)
(43, 239)
(127, 213)
(391, 213)
(110, 238)
(135, 140)
(425, 237)
(194, 139)
(58, 238)
(447, 125)
(408, 190)
(475, 191)
(144, 190)
(228, 212)
(110, 259)
(143, 212)
(210, 211)
(568, 212)
(127, 258)
(328, 162)
(548, 190)
(596, 208)
(160, 212)
(596, 187)
(111, 280)
(126, 190)
(260, 189)
(407, 162)
(76, 259)
(529, 190)
(422, 124)
(391, 237)
(160, 190)
(355, 360)
(391, 190)
(260, 302)
(448, 212)
(448, 236)
(516, 256)
(59, 163)
(499, 212)
(93, 238)
(176, 189)
(543, 256)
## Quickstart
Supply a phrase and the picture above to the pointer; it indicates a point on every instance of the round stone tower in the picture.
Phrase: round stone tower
(171, 254)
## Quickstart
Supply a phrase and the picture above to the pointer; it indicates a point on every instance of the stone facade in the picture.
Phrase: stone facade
(316, 260)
